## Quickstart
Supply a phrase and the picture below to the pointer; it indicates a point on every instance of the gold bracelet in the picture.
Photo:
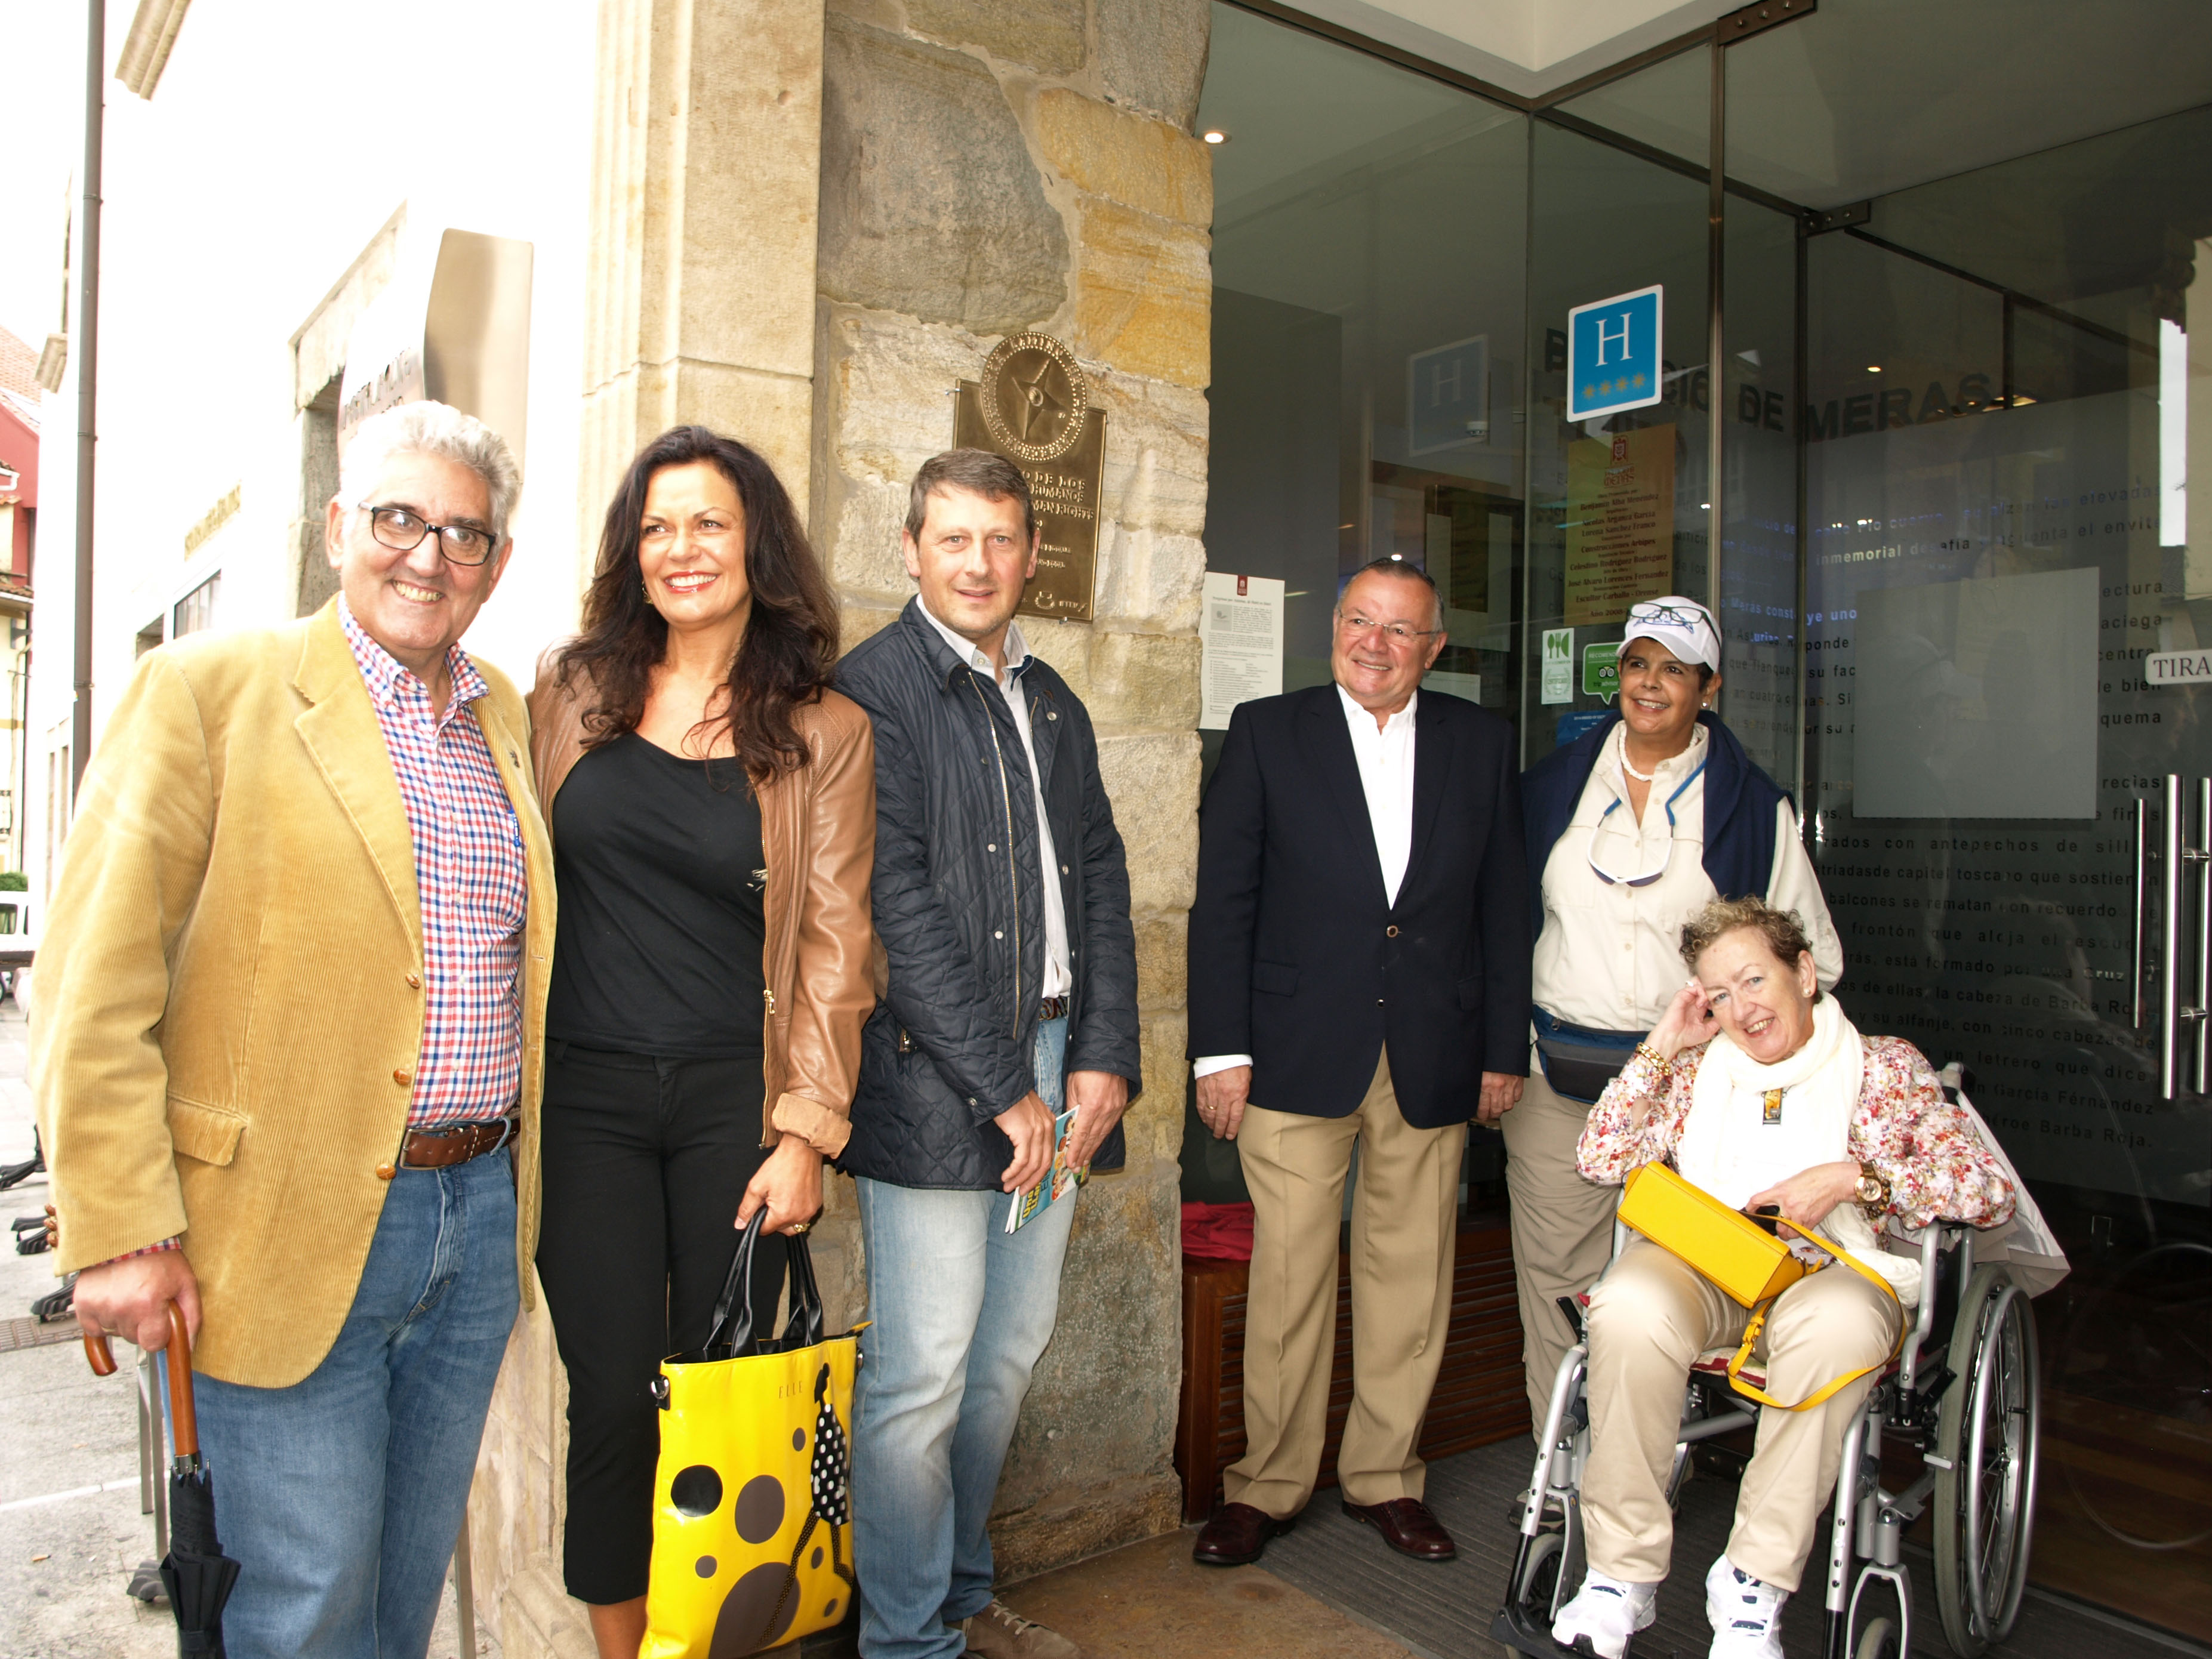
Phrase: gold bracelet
(1666, 1066)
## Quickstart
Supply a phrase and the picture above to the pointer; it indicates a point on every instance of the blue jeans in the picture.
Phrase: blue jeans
(961, 1310)
(342, 1496)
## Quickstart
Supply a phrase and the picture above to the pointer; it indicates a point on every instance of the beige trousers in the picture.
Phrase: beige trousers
(1562, 1225)
(1649, 1317)
(1405, 1214)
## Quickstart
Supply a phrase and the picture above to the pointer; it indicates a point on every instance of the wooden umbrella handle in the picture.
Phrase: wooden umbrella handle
(183, 1416)
(185, 1428)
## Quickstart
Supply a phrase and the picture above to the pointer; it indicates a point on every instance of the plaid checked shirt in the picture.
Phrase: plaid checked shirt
(469, 873)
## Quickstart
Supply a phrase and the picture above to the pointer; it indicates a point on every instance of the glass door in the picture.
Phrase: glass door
(1620, 509)
(1994, 424)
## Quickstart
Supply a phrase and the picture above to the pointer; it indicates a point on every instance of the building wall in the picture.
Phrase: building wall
(230, 226)
(805, 229)
(988, 168)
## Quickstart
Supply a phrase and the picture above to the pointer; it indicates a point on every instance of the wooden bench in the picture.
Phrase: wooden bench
(1479, 1395)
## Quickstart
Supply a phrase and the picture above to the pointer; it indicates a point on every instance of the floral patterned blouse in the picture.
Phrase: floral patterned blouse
(1927, 1147)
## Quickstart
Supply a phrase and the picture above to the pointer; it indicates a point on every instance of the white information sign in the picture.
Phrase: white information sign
(1559, 665)
(2178, 668)
(1240, 633)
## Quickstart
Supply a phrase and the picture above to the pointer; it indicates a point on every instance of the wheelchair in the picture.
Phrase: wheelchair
(1965, 1392)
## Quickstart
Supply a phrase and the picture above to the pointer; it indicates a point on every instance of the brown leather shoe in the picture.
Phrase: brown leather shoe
(1407, 1527)
(1237, 1534)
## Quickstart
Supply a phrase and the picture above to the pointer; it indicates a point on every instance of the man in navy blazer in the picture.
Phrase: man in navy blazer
(1359, 955)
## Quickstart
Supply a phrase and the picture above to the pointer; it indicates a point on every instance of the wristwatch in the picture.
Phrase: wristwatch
(1872, 1192)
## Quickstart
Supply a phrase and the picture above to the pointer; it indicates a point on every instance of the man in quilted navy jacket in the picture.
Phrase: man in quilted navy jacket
(1008, 996)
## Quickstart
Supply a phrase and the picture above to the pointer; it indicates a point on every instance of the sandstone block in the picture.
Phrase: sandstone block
(930, 202)
(1154, 580)
(1152, 780)
(860, 622)
(889, 384)
(1152, 53)
(1141, 163)
(863, 555)
(1162, 961)
(1156, 439)
(1103, 1398)
(1043, 34)
(1144, 293)
(1143, 680)
(1155, 1122)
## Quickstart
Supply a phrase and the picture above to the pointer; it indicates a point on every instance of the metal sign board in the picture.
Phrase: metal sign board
(1612, 353)
(1033, 406)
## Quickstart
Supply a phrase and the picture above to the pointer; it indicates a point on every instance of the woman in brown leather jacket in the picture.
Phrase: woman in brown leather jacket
(712, 805)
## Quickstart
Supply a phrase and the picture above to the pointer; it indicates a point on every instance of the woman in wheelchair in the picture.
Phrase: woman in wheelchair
(1758, 1089)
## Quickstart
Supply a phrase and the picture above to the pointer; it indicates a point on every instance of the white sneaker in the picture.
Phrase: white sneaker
(1746, 1614)
(1604, 1615)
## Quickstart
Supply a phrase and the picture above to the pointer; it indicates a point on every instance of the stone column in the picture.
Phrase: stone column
(700, 308)
(989, 165)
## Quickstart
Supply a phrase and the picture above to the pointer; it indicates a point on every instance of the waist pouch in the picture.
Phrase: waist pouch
(1579, 1062)
(1744, 1262)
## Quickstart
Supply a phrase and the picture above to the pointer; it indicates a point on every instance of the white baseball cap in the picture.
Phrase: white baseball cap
(1682, 625)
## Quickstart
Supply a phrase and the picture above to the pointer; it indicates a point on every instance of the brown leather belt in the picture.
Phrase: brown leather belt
(1053, 1008)
(440, 1149)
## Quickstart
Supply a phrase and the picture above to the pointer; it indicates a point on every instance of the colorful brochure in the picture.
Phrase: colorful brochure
(1057, 1182)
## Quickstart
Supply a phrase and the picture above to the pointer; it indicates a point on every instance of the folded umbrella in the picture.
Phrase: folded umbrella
(196, 1572)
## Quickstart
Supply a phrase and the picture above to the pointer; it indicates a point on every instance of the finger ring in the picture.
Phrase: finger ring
(798, 1227)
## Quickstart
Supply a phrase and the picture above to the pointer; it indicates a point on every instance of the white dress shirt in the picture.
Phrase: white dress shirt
(1385, 758)
(1609, 955)
(1058, 980)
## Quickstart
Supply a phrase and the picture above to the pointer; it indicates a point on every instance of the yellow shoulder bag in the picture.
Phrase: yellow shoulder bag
(1746, 1263)
(752, 1501)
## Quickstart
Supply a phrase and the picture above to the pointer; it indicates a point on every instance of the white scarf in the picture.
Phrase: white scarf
(1730, 1149)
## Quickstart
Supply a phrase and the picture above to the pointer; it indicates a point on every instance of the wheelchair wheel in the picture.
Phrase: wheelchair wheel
(1983, 1510)
(1537, 1591)
(1878, 1641)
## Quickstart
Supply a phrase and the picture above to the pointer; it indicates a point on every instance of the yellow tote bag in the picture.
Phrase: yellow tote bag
(1746, 1263)
(752, 1501)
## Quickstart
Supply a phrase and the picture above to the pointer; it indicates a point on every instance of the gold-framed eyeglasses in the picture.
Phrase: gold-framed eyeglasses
(1397, 633)
(402, 530)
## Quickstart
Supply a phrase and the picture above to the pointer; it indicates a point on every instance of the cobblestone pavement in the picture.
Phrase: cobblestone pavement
(70, 1528)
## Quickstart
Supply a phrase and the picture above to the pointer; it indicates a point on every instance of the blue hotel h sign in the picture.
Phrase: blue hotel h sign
(1612, 353)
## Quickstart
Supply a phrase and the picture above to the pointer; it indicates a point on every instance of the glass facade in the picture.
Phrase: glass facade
(1961, 380)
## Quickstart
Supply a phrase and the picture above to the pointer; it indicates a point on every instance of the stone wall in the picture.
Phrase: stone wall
(989, 165)
(978, 166)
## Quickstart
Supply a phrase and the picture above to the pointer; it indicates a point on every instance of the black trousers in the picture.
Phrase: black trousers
(645, 1162)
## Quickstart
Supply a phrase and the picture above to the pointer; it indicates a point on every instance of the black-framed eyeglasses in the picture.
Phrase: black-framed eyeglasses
(403, 530)
(1681, 615)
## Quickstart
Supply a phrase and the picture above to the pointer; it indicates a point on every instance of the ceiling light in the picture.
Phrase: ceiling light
(1397, 555)
(1214, 136)
(1873, 368)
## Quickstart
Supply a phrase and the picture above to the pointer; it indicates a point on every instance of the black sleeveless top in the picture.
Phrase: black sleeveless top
(659, 873)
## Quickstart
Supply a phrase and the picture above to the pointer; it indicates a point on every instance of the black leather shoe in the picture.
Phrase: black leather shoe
(1407, 1527)
(1236, 1535)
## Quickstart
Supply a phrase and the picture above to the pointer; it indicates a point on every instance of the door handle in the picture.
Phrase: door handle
(2184, 863)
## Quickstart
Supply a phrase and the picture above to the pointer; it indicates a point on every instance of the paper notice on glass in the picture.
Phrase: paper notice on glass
(1620, 523)
(1239, 632)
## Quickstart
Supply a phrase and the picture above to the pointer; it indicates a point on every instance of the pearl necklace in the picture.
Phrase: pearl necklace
(1641, 777)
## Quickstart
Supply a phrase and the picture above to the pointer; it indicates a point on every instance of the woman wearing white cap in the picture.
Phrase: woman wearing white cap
(1632, 829)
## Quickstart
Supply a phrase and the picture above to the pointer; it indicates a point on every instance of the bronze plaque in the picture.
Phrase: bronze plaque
(1033, 406)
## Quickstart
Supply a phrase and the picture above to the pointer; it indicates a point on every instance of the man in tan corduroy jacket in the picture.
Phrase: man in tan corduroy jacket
(287, 1037)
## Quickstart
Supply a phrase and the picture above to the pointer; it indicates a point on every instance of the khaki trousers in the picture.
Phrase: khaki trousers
(1405, 1214)
(1562, 1225)
(1649, 1317)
